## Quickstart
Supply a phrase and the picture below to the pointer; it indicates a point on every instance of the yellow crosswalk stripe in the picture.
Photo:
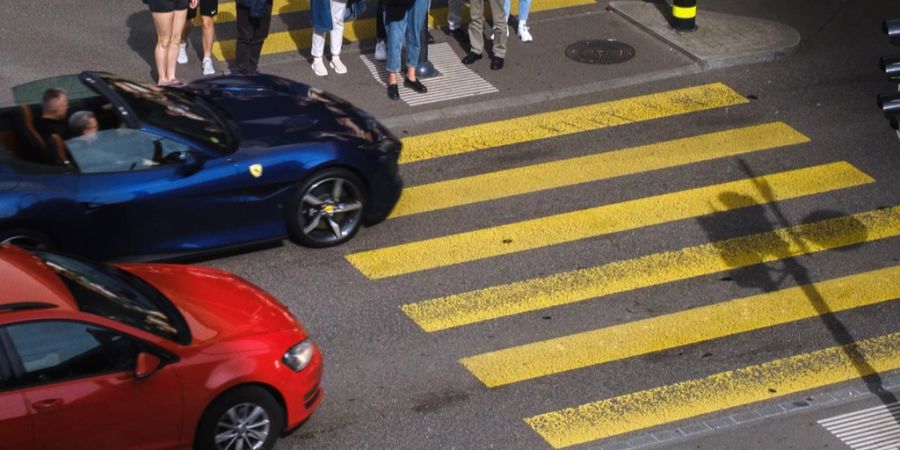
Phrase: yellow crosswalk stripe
(683, 328)
(568, 121)
(506, 183)
(662, 405)
(228, 11)
(592, 222)
(357, 30)
(622, 276)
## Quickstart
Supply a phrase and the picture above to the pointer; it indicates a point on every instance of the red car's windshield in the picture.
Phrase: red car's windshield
(115, 294)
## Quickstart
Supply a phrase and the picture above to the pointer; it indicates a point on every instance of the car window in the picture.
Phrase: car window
(56, 350)
(122, 150)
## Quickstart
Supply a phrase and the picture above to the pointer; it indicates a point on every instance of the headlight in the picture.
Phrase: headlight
(298, 356)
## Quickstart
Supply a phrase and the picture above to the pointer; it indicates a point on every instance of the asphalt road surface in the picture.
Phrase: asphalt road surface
(705, 261)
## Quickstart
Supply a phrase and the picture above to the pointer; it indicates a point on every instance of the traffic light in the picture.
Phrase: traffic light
(890, 65)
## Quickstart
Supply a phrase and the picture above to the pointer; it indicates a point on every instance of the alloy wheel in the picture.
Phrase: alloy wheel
(243, 427)
(330, 210)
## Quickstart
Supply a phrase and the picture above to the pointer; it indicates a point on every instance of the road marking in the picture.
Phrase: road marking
(356, 30)
(872, 428)
(687, 327)
(455, 81)
(568, 121)
(622, 276)
(228, 11)
(592, 222)
(568, 172)
(666, 404)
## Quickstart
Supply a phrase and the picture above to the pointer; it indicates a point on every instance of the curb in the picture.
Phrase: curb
(721, 40)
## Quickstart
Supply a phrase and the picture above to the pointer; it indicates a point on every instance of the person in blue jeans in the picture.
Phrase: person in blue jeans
(522, 31)
(405, 21)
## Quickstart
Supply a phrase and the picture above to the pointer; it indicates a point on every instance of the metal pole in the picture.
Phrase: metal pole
(425, 69)
(684, 15)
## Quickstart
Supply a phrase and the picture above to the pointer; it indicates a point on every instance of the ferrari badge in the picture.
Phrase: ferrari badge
(256, 170)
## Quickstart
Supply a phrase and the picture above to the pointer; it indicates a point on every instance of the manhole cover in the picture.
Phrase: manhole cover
(600, 52)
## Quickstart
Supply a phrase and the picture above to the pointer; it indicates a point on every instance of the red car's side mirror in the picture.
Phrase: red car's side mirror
(147, 364)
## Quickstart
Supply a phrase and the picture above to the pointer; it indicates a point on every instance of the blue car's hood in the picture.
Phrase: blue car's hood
(270, 111)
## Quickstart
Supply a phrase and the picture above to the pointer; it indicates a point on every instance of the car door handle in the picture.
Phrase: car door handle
(49, 403)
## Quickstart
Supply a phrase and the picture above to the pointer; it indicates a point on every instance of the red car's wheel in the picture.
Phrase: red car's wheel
(247, 417)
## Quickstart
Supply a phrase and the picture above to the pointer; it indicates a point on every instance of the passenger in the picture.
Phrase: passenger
(83, 124)
(54, 109)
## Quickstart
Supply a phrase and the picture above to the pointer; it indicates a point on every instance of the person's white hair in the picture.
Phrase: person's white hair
(79, 121)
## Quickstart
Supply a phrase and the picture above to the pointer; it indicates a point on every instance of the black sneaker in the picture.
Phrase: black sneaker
(496, 63)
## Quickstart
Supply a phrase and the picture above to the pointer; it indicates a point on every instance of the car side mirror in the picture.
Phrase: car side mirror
(147, 364)
(190, 163)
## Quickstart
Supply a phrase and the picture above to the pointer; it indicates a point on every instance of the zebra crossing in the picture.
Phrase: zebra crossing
(596, 419)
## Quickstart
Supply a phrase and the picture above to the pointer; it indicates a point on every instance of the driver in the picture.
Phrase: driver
(54, 108)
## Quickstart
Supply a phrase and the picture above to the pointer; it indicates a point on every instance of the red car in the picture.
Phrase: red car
(146, 356)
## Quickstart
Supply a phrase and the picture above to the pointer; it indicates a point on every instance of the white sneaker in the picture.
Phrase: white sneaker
(318, 66)
(208, 68)
(182, 54)
(524, 34)
(380, 51)
(337, 65)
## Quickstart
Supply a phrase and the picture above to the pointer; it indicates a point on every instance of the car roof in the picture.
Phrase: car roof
(27, 280)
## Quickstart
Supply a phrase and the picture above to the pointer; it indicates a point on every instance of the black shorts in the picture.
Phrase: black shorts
(208, 8)
(164, 6)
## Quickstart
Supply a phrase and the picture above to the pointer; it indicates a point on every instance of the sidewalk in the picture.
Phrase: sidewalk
(540, 71)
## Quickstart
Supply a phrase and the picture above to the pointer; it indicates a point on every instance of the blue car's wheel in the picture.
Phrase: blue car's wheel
(326, 209)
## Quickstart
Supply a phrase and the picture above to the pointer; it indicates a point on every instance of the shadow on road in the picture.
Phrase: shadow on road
(142, 38)
(770, 276)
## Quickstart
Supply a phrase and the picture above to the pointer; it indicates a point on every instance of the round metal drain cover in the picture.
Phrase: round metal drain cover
(606, 51)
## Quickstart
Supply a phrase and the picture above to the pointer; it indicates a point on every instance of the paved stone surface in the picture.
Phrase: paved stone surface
(721, 40)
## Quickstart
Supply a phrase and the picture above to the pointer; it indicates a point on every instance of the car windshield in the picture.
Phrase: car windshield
(177, 111)
(115, 294)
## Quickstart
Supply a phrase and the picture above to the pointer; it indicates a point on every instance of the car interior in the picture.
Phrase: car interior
(20, 138)
(112, 149)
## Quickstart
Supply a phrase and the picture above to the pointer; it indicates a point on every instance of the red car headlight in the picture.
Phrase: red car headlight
(299, 356)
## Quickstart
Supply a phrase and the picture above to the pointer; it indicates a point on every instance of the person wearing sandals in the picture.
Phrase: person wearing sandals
(522, 29)
(405, 21)
(327, 16)
(168, 18)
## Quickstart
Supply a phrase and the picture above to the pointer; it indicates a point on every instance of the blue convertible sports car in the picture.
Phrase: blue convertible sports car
(221, 163)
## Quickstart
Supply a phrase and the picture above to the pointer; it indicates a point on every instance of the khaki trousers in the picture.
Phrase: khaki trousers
(476, 27)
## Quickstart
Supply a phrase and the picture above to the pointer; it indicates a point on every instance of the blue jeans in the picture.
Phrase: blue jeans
(524, 6)
(409, 29)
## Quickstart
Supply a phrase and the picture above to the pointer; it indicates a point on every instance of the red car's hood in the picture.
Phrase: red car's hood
(217, 305)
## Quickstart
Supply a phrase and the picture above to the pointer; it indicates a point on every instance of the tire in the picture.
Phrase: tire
(26, 238)
(317, 219)
(248, 402)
